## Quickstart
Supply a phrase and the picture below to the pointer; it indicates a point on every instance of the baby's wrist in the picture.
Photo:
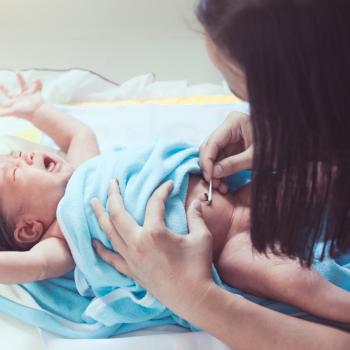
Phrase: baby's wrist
(40, 108)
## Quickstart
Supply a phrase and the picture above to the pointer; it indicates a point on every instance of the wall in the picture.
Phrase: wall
(118, 39)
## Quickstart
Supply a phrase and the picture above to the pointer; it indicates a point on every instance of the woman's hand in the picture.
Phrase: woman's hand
(175, 269)
(228, 150)
(24, 104)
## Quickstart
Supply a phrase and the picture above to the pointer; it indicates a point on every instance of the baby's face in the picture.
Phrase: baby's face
(32, 183)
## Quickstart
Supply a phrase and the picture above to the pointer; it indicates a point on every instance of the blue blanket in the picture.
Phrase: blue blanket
(95, 300)
(117, 299)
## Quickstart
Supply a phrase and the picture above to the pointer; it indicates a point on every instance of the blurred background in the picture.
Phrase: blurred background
(118, 39)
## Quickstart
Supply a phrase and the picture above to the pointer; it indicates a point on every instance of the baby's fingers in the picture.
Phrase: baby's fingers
(22, 83)
(6, 110)
(36, 87)
(5, 91)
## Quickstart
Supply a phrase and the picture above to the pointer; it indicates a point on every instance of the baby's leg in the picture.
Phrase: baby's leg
(281, 279)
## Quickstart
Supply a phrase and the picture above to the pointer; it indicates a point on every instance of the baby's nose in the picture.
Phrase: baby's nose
(25, 157)
(28, 157)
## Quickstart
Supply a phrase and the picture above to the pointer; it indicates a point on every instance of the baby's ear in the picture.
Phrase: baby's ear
(28, 231)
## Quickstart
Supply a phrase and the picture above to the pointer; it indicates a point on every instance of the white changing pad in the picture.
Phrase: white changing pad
(143, 124)
(155, 340)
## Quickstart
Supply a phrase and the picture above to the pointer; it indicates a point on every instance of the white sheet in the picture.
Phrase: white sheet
(143, 124)
(79, 85)
(183, 341)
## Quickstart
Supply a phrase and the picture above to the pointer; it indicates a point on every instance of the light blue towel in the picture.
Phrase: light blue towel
(115, 297)
(95, 301)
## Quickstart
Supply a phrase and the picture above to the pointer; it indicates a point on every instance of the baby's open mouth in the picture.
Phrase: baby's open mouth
(50, 164)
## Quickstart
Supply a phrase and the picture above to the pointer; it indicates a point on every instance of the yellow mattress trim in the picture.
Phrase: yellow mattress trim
(34, 134)
(193, 100)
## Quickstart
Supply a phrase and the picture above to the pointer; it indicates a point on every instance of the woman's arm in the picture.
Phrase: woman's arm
(152, 253)
(244, 325)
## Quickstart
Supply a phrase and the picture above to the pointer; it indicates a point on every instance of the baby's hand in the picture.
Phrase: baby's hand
(24, 104)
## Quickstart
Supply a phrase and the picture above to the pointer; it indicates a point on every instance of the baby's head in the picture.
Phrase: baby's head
(31, 186)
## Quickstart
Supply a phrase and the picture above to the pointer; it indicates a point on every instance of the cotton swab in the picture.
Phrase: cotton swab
(210, 192)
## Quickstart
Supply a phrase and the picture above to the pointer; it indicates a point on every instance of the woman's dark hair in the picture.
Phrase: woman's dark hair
(296, 57)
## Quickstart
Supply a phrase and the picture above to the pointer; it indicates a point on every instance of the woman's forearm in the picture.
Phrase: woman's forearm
(244, 325)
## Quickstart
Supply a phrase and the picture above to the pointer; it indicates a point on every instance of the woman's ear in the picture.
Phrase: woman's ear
(28, 231)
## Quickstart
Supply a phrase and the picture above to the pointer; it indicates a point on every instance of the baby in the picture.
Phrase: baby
(33, 186)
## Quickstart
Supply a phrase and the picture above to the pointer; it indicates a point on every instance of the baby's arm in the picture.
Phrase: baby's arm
(74, 138)
(47, 259)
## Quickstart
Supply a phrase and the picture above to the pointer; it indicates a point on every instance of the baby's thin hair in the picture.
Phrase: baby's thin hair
(7, 241)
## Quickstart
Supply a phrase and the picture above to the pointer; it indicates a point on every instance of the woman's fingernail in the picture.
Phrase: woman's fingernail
(217, 170)
(171, 185)
(93, 201)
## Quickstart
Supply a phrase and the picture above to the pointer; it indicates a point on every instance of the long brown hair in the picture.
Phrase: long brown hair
(296, 57)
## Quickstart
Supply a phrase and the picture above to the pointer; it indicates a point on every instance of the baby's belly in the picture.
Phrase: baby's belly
(218, 215)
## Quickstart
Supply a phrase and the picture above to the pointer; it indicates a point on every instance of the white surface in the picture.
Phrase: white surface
(78, 85)
(116, 38)
(144, 124)
(74, 86)
(184, 341)
(17, 335)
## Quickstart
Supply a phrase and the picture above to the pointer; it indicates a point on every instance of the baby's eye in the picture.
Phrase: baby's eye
(14, 173)
(16, 154)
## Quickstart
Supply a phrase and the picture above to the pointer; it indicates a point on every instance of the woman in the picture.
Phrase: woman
(290, 60)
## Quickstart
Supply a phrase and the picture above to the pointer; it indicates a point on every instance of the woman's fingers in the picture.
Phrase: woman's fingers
(155, 210)
(111, 258)
(210, 149)
(195, 221)
(223, 187)
(233, 136)
(120, 218)
(107, 226)
(234, 164)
